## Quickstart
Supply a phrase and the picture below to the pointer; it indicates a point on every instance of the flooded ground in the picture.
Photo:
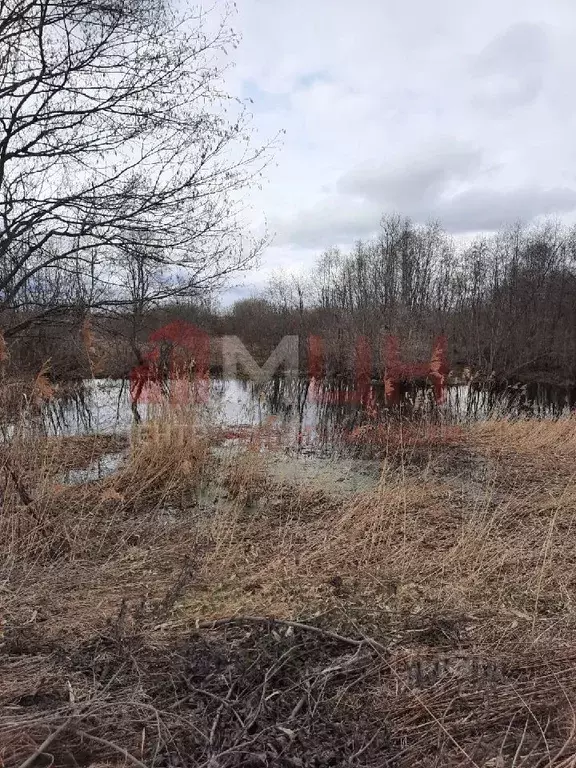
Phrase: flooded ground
(305, 412)
(305, 427)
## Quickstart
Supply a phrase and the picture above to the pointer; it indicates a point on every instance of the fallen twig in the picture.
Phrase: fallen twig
(46, 743)
(295, 625)
(111, 745)
(25, 497)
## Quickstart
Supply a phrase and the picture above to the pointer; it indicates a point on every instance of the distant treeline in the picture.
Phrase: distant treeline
(506, 303)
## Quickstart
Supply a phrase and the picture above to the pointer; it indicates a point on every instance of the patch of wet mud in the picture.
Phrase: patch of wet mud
(337, 476)
(104, 466)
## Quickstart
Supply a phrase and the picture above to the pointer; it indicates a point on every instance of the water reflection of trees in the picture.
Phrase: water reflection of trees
(75, 409)
(324, 412)
(330, 410)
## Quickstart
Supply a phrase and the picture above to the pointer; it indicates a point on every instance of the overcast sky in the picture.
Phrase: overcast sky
(443, 109)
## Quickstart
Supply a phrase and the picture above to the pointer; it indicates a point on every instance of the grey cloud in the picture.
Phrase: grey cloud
(424, 190)
(490, 209)
(335, 221)
(416, 180)
(478, 209)
(428, 186)
(520, 46)
(509, 70)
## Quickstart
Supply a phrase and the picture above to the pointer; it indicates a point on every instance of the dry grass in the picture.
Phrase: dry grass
(415, 543)
(462, 570)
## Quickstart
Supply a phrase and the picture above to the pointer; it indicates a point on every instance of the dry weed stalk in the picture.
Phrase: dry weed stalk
(42, 389)
(4, 351)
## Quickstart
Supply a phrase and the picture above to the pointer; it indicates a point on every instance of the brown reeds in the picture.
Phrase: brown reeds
(197, 608)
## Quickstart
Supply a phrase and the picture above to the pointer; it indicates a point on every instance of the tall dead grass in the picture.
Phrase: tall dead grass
(61, 545)
(465, 576)
(420, 540)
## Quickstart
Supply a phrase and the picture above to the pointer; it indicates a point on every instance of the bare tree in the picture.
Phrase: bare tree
(114, 130)
(506, 301)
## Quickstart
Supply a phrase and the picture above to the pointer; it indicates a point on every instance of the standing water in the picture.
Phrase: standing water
(303, 407)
